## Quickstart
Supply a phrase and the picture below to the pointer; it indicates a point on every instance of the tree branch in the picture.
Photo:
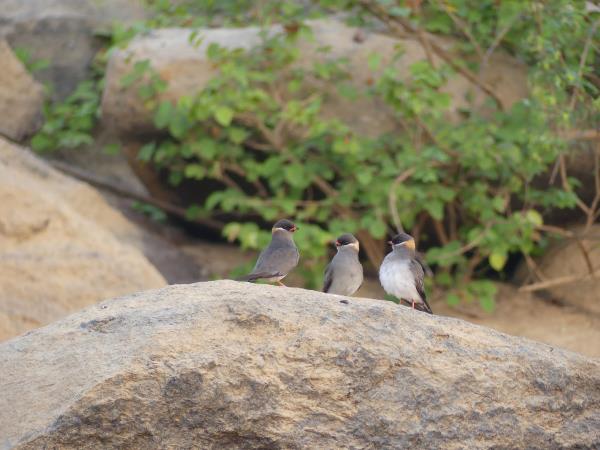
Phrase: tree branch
(403, 27)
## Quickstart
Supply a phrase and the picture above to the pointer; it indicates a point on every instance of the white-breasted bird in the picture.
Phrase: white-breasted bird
(344, 274)
(279, 257)
(401, 273)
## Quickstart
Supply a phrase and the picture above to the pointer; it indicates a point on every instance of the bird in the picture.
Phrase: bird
(279, 257)
(344, 274)
(402, 271)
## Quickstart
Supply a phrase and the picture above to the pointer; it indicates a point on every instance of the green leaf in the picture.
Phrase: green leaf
(488, 304)
(452, 299)
(498, 260)
(112, 149)
(435, 208)
(374, 61)
(224, 115)
(399, 11)
(195, 171)
(147, 152)
(295, 175)
(238, 135)
(41, 142)
(193, 212)
(162, 117)
(377, 229)
(534, 217)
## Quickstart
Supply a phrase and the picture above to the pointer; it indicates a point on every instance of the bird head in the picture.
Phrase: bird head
(284, 225)
(347, 241)
(403, 240)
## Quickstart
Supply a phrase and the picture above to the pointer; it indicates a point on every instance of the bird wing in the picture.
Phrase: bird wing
(328, 278)
(418, 274)
(426, 269)
(275, 261)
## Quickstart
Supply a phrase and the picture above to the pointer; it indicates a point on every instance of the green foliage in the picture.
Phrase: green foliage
(465, 186)
(70, 124)
(259, 129)
(154, 213)
(32, 65)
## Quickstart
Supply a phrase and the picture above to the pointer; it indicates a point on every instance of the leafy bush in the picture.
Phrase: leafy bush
(466, 190)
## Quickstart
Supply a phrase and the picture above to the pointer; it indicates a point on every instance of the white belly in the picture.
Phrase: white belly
(397, 280)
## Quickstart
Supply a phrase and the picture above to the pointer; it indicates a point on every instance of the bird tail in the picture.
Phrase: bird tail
(426, 306)
(245, 278)
(252, 277)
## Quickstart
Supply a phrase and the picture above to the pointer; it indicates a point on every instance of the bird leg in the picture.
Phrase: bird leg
(413, 304)
(281, 284)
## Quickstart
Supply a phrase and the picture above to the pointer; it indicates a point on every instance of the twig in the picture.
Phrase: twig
(440, 231)
(453, 221)
(464, 29)
(405, 26)
(557, 282)
(581, 135)
(562, 166)
(423, 40)
(497, 40)
(594, 205)
(533, 267)
(110, 186)
(582, 61)
(392, 198)
(586, 256)
(471, 245)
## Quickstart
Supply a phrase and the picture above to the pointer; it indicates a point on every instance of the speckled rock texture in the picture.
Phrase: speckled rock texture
(62, 247)
(21, 97)
(222, 365)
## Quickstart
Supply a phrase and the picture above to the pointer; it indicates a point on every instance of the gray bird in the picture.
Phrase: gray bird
(280, 256)
(401, 273)
(344, 274)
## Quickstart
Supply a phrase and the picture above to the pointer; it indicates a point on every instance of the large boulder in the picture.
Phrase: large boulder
(187, 69)
(21, 97)
(63, 33)
(565, 260)
(233, 365)
(62, 247)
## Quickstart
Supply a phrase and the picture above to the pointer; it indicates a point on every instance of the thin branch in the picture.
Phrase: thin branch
(392, 198)
(434, 140)
(562, 166)
(560, 281)
(497, 40)
(594, 206)
(586, 256)
(582, 61)
(581, 135)
(423, 40)
(440, 231)
(238, 170)
(534, 268)
(401, 26)
(463, 27)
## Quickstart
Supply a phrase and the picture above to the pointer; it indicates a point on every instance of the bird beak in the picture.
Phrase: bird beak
(390, 242)
(295, 229)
